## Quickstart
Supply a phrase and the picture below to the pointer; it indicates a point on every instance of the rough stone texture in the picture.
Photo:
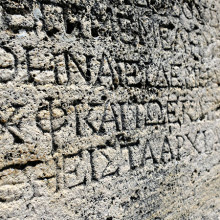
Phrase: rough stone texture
(109, 109)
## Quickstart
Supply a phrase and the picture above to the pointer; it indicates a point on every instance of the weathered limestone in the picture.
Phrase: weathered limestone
(109, 109)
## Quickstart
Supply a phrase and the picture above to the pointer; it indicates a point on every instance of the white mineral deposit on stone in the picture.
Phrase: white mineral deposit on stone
(37, 13)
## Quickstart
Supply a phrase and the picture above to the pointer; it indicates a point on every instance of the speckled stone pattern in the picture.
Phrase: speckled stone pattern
(109, 109)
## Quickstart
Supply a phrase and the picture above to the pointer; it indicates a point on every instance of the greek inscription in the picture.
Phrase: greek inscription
(109, 109)
(123, 155)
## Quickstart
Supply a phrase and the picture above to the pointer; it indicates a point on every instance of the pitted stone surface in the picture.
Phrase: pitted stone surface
(109, 109)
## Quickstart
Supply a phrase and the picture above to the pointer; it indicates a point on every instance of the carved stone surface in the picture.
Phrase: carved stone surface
(109, 109)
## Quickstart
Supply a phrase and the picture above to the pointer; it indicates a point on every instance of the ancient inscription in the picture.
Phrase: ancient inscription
(109, 109)
(129, 153)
